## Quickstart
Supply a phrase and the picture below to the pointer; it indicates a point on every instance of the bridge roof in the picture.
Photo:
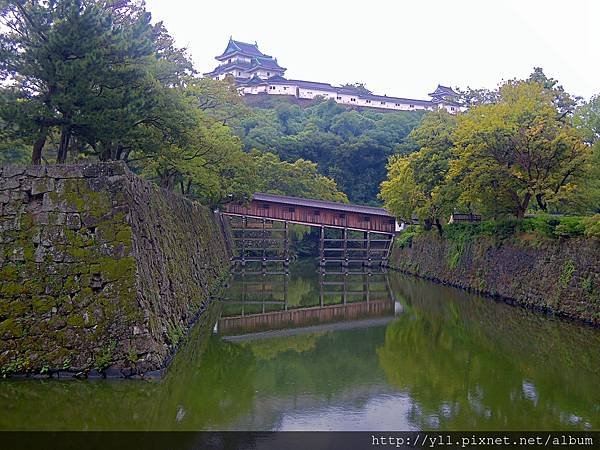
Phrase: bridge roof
(311, 203)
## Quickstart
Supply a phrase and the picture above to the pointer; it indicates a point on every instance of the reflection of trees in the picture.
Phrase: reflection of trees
(270, 348)
(339, 361)
(208, 385)
(471, 363)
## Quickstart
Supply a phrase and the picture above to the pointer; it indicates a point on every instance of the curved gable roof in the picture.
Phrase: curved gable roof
(250, 50)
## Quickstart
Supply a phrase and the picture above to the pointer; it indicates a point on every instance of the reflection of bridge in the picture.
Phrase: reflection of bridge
(260, 303)
(349, 233)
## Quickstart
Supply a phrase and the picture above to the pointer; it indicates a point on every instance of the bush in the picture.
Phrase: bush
(548, 226)
(570, 227)
(405, 238)
(592, 227)
(555, 226)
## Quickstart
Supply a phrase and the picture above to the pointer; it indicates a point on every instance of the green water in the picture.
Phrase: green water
(436, 358)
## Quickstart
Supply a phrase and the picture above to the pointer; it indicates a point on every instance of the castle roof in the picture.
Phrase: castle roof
(441, 91)
(253, 65)
(265, 63)
(244, 48)
(385, 98)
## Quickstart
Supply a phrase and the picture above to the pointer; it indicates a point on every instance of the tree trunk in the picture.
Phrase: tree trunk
(38, 146)
(167, 180)
(65, 137)
(523, 206)
(105, 152)
(438, 225)
(541, 203)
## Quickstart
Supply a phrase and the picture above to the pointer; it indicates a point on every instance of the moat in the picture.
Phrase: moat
(337, 351)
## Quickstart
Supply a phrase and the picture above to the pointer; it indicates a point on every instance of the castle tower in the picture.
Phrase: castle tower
(243, 61)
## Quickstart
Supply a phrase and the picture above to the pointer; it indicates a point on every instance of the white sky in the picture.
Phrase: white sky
(399, 47)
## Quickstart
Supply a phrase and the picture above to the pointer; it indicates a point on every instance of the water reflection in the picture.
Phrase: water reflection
(269, 300)
(298, 353)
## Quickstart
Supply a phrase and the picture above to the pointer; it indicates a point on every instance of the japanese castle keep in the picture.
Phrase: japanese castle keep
(257, 73)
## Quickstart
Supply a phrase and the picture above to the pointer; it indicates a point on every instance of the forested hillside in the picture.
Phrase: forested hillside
(350, 146)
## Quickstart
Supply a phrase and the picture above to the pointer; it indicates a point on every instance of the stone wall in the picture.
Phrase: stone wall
(100, 271)
(558, 276)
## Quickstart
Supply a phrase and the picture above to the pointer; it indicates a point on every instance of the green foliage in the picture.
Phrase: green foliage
(570, 227)
(350, 146)
(588, 285)
(18, 365)
(132, 356)
(96, 76)
(300, 178)
(175, 334)
(566, 274)
(405, 238)
(516, 151)
(592, 227)
(13, 151)
(546, 226)
(416, 183)
(104, 357)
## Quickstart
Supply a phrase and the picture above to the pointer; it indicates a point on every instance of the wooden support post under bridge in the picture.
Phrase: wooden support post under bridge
(364, 234)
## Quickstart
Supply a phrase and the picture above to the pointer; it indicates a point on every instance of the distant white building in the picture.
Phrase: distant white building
(257, 73)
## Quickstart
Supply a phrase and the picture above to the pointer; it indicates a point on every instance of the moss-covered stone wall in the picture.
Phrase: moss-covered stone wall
(561, 276)
(100, 271)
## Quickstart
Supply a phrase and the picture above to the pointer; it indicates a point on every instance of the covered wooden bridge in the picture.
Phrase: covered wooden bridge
(348, 233)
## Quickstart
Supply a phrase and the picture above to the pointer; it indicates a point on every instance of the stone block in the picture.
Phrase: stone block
(105, 170)
(60, 171)
(42, 185)
(73, 221)
(18, 196)
(36, 171)
(89, 220)
(12, 171)
(4, 197)
(13, 208)
(17, 254)
(49, 202)
(25, 184)
(9, 183)
(40, 254)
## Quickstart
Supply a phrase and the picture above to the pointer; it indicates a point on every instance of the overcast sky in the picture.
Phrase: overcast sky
(398, 47)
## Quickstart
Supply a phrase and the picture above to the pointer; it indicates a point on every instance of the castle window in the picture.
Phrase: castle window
(239, 73)
(230, 60)
(285, 88)
(352, 99)
(383, 103)
(268, 74)
(338, 98)
(368, 101)
(397, 104)
(412, 106)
